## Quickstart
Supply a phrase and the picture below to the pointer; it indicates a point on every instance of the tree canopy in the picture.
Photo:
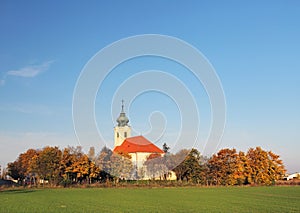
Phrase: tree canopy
(71, 165)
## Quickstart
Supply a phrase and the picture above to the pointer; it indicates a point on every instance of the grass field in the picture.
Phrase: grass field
(221, 199)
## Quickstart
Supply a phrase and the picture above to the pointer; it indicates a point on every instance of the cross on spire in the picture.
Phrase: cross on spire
(122, 105)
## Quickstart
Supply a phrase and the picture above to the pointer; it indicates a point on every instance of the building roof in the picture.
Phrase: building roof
(137, 144)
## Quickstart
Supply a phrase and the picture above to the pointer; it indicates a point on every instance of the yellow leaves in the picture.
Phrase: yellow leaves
(266, 166)
(257, 166)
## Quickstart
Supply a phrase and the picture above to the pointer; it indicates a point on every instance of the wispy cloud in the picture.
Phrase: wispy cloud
(30, 71)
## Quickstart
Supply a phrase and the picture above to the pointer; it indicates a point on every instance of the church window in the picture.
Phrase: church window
(125, 134)
(117, 134)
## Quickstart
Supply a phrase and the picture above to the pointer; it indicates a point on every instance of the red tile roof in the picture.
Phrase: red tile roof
(137, 144)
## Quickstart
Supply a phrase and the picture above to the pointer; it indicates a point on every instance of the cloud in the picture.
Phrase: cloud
(30, 71)
(27, 72)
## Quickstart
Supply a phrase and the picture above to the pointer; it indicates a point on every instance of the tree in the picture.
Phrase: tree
(67, 165)
(120, 167)
(91, 153)
(224, 167)
(166, 148)
(276, 167)
(265, 167)
(46, 164)
(76, 166)
(15, 171)
(103, 159)
(190, 168)
(22, 167)
(81, 167)
(4, 173)
(243, 173)
(103, 163)
(94, 172)
(155, 166)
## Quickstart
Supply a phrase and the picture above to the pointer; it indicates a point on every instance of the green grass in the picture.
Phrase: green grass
(221, 199)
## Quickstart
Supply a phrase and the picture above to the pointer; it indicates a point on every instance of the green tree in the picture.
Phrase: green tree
(166, 148)
(190, 168)
(15, 171)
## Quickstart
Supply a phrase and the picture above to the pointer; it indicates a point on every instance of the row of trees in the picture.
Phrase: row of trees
(229, 167)
(53, 165)
(71, 165)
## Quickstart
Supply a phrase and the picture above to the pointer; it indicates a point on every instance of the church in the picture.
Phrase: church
(138, 147)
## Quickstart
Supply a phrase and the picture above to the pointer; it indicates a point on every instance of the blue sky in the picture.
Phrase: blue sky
(253, 46)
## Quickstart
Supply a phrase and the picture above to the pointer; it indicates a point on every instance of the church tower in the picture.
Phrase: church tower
(122, 130)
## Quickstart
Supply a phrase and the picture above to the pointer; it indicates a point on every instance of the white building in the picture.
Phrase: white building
(292, 176)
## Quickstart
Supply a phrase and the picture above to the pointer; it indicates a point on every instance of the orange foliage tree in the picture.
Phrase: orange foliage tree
(265, 167)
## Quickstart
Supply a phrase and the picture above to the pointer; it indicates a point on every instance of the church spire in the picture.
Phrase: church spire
(122, 119)
(122, 105)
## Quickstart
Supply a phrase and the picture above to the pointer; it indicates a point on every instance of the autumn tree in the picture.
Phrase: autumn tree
(228, 167)
(82, 168)
(67, 165)
(77, 166)
(94, 173)
(265, 167)
(46, 164)
(243, 172)
(224, 167)
(22, 167)
(276, 167)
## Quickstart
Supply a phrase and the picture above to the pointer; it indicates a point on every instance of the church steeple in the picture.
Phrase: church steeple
(122, 130)
(122, 119)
